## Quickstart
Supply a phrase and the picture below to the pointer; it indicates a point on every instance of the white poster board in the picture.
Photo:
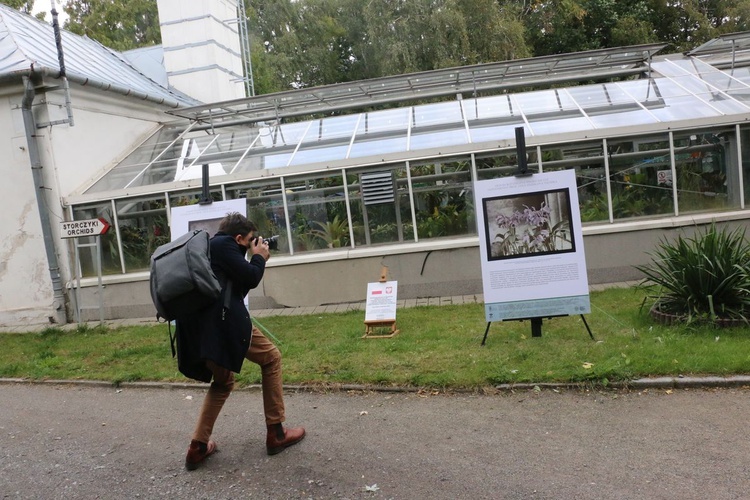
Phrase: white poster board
(191, 217)
(381, 301)
(531, 247)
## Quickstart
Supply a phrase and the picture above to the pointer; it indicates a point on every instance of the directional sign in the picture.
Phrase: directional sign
(79, 228)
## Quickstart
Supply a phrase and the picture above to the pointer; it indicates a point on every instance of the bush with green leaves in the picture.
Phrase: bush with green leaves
(704, 277)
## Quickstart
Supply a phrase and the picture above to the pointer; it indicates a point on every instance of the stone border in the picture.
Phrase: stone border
(638, 384)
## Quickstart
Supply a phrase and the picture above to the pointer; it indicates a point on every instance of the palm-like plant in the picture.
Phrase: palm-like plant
(703, 277)
(333, 233)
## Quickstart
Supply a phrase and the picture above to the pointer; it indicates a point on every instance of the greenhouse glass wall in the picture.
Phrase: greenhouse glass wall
(664, 140)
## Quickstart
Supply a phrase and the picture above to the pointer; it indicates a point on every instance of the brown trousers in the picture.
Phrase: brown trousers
(262, 352)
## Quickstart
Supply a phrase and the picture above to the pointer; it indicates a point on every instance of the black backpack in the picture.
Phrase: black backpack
(182, 280)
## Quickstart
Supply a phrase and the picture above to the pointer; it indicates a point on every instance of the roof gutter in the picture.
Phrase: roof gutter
(34, 73)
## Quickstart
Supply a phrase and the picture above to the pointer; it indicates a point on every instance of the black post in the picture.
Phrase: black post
(523, 168)
(536, 327)
(206, 196)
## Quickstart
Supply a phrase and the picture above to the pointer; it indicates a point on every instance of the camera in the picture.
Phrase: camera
(273, 242)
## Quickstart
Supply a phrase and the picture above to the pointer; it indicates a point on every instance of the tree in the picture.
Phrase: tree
(303, 43)
(318, 42)
(25, 6)
(575, 25)
(117, 24)
(495, 31)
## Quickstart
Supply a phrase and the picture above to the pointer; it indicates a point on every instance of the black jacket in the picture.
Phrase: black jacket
(218, 333)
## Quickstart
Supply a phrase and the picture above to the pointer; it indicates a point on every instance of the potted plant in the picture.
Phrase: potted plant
(701, 278)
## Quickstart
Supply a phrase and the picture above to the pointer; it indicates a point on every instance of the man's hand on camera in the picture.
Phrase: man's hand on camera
(259, 246)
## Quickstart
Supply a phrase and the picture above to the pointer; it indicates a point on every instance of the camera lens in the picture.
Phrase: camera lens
(273, 241)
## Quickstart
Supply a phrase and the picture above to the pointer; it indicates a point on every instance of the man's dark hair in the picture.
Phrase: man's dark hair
(235, 223)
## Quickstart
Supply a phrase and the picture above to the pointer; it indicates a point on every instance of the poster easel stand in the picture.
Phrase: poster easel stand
(373, 326)
(523, 171)
(536, 327)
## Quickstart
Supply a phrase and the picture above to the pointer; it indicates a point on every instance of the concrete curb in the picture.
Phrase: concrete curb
(643, 383)
(638, 384)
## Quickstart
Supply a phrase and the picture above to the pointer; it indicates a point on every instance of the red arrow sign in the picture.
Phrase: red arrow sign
(79, 228)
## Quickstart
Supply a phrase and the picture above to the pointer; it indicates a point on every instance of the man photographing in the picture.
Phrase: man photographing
(213, 343)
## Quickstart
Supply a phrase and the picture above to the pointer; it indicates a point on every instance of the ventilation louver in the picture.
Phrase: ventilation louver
(377, 187)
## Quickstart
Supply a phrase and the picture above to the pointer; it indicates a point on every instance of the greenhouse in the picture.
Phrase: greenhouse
(385, 167)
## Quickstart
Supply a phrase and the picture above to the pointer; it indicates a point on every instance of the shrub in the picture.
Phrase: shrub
(706, 277)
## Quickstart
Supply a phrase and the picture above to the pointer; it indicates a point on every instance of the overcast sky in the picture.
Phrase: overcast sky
(46, 6)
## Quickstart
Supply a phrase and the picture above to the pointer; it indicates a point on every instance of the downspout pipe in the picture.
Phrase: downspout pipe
(36, 168)
(61, 61)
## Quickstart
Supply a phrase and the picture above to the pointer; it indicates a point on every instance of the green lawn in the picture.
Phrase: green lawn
(437, 347)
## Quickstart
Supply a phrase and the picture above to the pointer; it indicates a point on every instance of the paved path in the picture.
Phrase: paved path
(81, 442)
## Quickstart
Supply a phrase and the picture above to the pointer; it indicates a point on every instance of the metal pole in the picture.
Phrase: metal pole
(99, 274)
(77, 271)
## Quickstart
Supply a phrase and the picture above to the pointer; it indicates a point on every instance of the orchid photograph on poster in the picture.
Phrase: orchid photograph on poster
(528, 224)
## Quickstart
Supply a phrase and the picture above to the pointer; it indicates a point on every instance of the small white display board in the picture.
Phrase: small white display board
(381, 301)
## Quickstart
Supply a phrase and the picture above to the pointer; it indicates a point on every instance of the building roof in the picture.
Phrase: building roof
(503, 76)
(639, 92)
(28, 45)
(150, 62)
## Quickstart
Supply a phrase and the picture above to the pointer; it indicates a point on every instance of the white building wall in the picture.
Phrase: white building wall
(107, 127)
(25, 288)
(202, 50)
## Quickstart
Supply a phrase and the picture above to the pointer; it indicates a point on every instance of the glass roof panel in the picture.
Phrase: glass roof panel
(285, 135)
(432, 139)
(741, 74)
(384, 121)
(631, 117)
(683, 108)
(668, 88)
(128, 170)
(483, 131)
(599, 96)
(612, 62)
(275, 160)
(437, 124)
(558, 125)
(722, 81)
(375, 145)
(677, 67)
(724, 43)
(485, 108)
(250, 161)
(326, 139)
(319, 153)
(645, 91)
(335, 127)
(436, 114)
(117, 178)
(543, 102)
(693, 90)
(692, 84)
(381, 132)
(494, 132)
(724, 103)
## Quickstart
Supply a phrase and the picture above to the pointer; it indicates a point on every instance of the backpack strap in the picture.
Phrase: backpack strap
(171, 338)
